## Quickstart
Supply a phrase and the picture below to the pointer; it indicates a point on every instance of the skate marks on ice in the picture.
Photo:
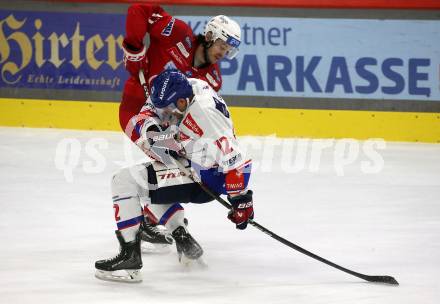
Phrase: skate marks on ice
(53, 230)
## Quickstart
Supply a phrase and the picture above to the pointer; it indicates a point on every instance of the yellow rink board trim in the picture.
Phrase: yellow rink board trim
(393, 126)
(37, 113)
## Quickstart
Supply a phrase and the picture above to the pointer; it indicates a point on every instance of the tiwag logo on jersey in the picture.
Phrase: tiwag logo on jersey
(234, 186)
(169, 28)
(191, 124)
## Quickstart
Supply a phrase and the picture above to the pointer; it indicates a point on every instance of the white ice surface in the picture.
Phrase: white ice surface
(53, 230)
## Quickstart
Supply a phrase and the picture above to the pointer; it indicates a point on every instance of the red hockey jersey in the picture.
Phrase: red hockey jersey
(172, 43)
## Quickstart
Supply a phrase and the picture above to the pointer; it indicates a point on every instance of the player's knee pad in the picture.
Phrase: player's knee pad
(130, 181)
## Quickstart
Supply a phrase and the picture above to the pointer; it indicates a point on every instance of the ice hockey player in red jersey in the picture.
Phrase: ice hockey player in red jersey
(172, 45)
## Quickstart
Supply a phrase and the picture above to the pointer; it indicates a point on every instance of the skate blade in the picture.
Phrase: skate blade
(187, 263)
(125, 276)
(150, 248)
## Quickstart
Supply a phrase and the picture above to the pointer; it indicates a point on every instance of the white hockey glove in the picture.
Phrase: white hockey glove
(161, 144)
(135, 59)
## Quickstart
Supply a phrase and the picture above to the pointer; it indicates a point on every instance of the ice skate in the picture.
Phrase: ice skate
(155, 239)
(188, 249)
(126, 266)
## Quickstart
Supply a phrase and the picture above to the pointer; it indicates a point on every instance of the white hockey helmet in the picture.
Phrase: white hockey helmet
(226, 29)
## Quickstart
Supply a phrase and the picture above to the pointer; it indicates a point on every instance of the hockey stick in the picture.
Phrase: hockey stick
(143, 84)
(369, 278)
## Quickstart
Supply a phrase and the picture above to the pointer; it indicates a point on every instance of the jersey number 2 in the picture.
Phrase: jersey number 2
(116, 207)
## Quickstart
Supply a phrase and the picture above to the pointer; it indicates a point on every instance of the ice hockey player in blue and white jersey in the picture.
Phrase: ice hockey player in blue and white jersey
(200, 135)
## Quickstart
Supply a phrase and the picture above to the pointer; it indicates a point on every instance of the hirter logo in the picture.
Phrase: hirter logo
(191, 124)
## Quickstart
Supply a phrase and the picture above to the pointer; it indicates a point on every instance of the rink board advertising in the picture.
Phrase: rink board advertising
(280, 57)
(62, 50)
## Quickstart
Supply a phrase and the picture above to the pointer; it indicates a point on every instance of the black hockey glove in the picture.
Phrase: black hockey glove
(242, 209)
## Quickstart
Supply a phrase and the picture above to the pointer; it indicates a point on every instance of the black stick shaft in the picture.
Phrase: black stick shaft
(306, 252)
(283, 240)
(380, 279)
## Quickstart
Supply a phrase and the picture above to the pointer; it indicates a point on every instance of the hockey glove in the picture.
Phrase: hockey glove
(242, 209)
(135, 59)
(161, 145)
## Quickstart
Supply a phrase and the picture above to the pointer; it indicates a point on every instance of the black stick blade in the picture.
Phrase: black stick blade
(382, 279)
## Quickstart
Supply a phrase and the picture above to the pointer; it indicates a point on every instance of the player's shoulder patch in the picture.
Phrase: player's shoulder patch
(191, 124)
(182, 49)
(168, 28)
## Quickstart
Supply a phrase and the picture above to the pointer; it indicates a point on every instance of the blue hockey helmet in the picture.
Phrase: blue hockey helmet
(168, 87)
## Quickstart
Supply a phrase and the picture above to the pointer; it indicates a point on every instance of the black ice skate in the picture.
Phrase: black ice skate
(155, 238)
(187, 247)
(126, 266)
